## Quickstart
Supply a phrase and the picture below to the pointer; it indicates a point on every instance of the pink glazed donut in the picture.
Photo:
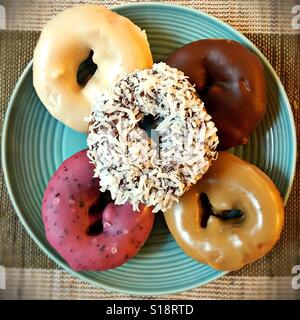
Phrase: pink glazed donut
(84, 226)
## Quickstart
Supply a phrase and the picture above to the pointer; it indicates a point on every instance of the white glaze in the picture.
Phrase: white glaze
(119, 47)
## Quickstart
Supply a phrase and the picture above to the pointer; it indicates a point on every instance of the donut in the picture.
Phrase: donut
(113, 42)
(158, 166)
(233, 216)
(230, 80)
(84, 226)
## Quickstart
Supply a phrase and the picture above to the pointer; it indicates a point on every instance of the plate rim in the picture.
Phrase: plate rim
(18, 210)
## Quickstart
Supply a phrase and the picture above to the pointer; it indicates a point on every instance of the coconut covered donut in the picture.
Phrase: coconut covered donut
(117, 46)
(154, 168)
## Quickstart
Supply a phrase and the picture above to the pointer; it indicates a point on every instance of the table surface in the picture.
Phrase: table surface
(32, 275)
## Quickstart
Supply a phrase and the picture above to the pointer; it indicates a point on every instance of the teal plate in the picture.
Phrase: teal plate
(34, 144)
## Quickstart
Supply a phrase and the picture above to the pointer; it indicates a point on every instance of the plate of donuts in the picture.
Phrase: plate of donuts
(150, 148)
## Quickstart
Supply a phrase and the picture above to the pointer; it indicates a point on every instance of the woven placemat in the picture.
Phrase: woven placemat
(19, 252)
(57, 284)
(253, 16)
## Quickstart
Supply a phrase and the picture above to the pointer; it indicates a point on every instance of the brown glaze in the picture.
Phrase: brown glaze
(230, 183)
(230, 80)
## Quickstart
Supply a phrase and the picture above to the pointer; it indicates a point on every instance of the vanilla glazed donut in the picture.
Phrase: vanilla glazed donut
(233, 216)
(153, 170)
(84, 226)
(118, 47)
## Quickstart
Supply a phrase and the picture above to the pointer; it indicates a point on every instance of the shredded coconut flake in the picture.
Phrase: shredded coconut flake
(153, 170)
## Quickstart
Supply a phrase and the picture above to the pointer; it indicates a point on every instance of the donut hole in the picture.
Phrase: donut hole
(149, 123)
(99, 205)
(86, 70)
(225, 215)
(204, 86)
(95, 229)
(95, 214)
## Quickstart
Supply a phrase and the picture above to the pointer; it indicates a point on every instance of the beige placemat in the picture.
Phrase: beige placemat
(253, 16)
(57, 284)
(20, 255)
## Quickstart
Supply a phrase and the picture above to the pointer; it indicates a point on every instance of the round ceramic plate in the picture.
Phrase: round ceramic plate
(35, 144)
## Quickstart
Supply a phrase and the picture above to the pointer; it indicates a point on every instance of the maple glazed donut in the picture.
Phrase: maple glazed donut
(230, 80)
(113, 42)
(234, 215)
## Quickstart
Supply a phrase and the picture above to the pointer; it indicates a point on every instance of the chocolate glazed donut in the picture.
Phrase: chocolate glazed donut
(230, 80)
